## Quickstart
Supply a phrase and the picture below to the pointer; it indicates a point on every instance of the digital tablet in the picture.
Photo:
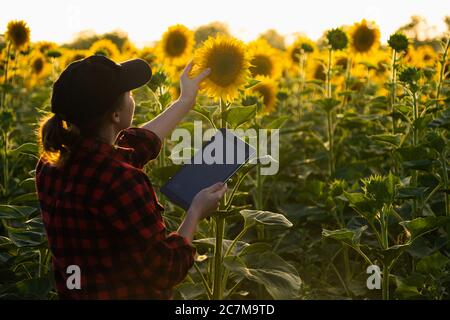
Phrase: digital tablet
(216, 161)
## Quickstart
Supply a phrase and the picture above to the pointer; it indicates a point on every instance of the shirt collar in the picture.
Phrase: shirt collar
(92, 144)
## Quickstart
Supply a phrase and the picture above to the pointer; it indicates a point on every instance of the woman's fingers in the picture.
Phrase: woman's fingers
(202, 75)
(219, 189)
(198, 78)
(222, 191)
(188, 68)
(216, 186)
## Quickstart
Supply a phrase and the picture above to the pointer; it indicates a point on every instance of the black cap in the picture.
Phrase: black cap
(90, 87)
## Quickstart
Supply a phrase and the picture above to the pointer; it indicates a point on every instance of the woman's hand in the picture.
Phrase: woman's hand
(189, 87)
(207, 200)
(204, 204)
(164, 123)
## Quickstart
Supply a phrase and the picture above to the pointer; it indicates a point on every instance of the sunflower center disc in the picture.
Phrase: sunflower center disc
(261, 65)
(225, 67)
(176, 44)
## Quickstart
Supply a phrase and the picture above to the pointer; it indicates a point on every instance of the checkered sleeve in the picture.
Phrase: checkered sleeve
(145, 144)
(163, 259)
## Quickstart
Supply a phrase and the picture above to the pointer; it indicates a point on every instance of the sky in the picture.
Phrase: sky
(146, 20)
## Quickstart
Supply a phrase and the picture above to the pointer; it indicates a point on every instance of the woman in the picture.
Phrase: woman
(101, 214)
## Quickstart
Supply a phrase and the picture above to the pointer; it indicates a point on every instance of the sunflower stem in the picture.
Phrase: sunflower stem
(442, 71)
(443, 161)
(5, 78)
(220, 231)
(415, 143)
(16, 57)
(259, 186)
(5, 164)
(302, 84)
(346, 80)
(331, 164)
(328, 83)
(331, 161)
(385, 284)
(393, 88)
(217, 286)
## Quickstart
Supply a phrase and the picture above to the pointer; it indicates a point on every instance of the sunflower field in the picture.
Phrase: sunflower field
(363, 160)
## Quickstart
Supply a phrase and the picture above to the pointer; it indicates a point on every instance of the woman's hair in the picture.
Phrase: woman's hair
(58, 138)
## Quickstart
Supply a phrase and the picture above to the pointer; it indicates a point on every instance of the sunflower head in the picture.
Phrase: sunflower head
(398, 42)
(282, 95)
(410, 75)
(158, 79)
(266, 89)
(78, 55)
(265, 59)
(382, 67)
(300, 46)
(249, 100)
(317, 70)
(44, 46)
(229, 61)
(337, 187)
(74, 55)
(106, 48)
(37, 64)
(176, 44)
(342, 62)
(202, 33)
(128, 48)
(53, 53)
(337, 39)
(18, 33)
(422, 57)
(148, 54)
(364, 37)
(426, 56)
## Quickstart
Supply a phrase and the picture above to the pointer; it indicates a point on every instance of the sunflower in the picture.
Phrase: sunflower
(267, 90)
(148, 54)
(427, 54)
(319, 72)
(265, 59)
(128, 49)
(229, 61)
(44, 46)
(70, 56)
(337, 39)
(398, 41)
(316, 69)
(18, 33)
(364, 37)
(300, 46)
(382, 67)
(176, 44)
(422, 56)
(105, 47)
(37, 64)
(341, 63)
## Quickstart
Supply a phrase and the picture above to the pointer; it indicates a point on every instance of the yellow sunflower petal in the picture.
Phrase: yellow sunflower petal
(105, 47)
(229, 61)
(267, 90)
(265, 61)
(364, 37)
(176, 45)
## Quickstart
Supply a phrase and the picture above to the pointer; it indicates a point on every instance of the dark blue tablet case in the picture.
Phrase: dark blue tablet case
(191, 178)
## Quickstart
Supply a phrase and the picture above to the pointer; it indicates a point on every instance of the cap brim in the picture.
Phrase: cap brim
(134, 74)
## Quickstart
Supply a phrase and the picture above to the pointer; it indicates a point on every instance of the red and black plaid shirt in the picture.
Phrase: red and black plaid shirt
(101, 213)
